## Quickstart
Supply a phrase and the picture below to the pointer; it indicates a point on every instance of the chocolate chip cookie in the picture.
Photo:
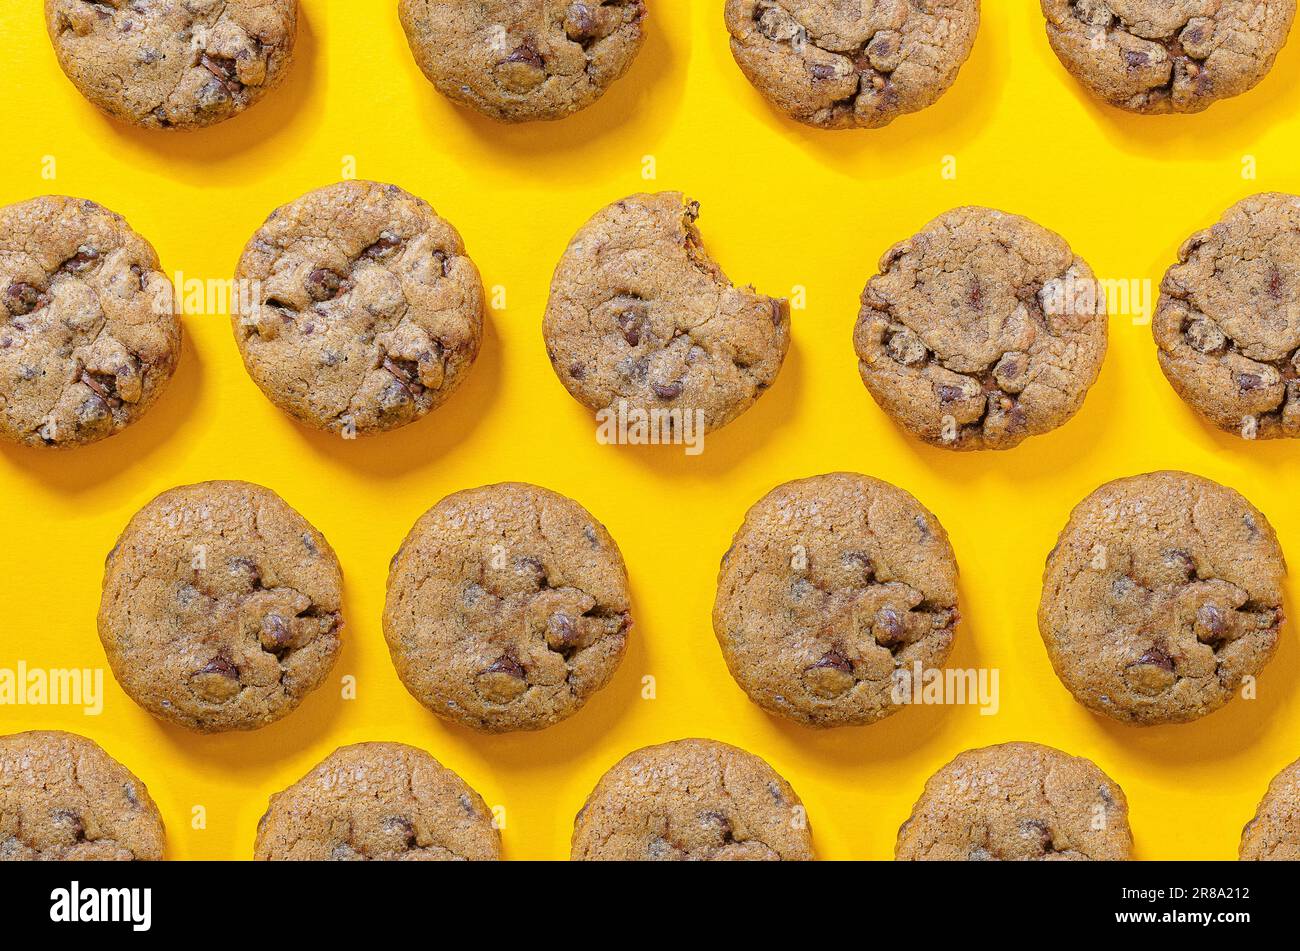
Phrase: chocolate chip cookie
(642, 321)
(1163, 593)
(221, 607)
(1155, 56)
(365, 311)
(1228, 320)
(836, 590)
(507, 608)
(1274, 833)
(1017, 801)
(63, 798)
(88, 331)
(982, 330)
(173, 65)
(517, 62)
(378, 802)
(692, 800)
(837, 66)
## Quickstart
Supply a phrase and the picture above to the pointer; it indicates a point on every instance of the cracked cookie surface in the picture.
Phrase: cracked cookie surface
(692, 800)
(834, 588)
(1017, 802)
(378, 802)
(839, 66)
(1160, 56)
(1273, 835)
(88, 336)
(641, 320)
(221, 607)
(62, 798)
(507, 608)
(1228, 319)
(980, 331)
(162, 64)
(1163, 592)
(516, 62)
(366, 313)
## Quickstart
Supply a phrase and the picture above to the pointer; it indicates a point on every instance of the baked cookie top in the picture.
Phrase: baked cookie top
(173, 65)
(981, 330)
(692, 800)
(1274, 833)
(379, 802)
(1017, 801)
(1163, 592)
(1155, 56)
(88, 332)
(517, 62)
(366, 313)
(640, 317)
(834, 588)
(1228, 319)
(507, 607)
(63, 798)
(221, 607)
(839, 66)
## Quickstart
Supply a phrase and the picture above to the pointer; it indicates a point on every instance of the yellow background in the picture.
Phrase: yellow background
(782, 205)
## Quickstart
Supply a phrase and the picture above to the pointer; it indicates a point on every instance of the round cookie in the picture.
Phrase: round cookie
(517, 62)
(692, 800)
(88, 333)
(837, 66)
(221, 607)
(173, 65)
(1228, 319)
(63, 798)
(1163, 592)
(1274, 833)
(980, 331)
(378, 802)
(641, 321)
(366, 312)
(1017, 801)
(834, 589)
(507, 608)
(1159, 56)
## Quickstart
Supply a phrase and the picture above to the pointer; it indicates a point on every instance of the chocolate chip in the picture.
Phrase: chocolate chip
(323, 284)
(220, 666)
(526, 54)
(1211, 624)
(1248, 382)
(833, 660)
(950, 394)
(382, 248)
(1135, 59)
(22, 298)
(561, 632)
(275, 634)
(888, 627)
(821, 72)
(83, 260)
(506, 664)
(1155, 657)
(668, 391)
(631, 323)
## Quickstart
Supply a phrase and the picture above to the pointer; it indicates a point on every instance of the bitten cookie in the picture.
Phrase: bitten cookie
(63, 798)
(839, 66)
(221, 607)
(522, 61)
(641, 320)
(1155, 56)
(1228, 319)
(378, 802)
(173, 65)
(833, 592)
(507, 608)
(88, 333)
(982, 330)
(1274, 833)
(693, 800)
(1017, 801)
(366, 313)
(1163, 592)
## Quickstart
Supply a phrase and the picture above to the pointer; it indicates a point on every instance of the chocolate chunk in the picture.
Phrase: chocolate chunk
(323, 284)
